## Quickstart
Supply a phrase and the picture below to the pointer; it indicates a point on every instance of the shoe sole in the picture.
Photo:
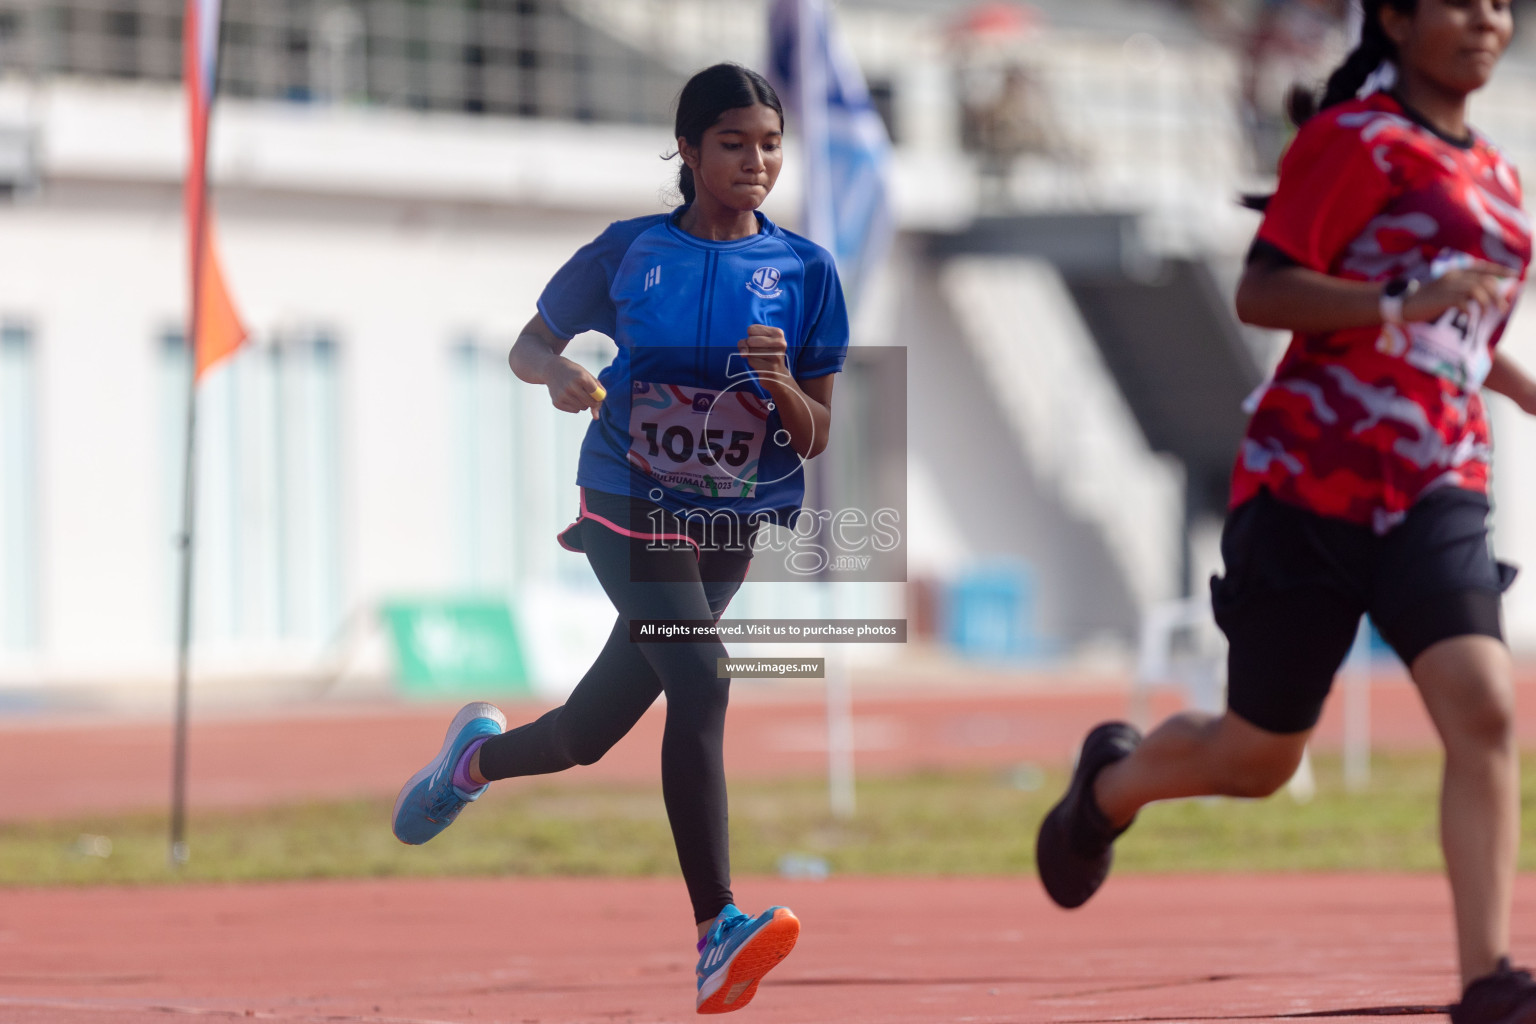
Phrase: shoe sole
(468, 713)
(1521, 1015)
(756, 957)
(1524, 1013)
(1052, 845)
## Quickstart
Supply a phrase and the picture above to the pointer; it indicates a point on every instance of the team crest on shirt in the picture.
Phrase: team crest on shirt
(765, 283)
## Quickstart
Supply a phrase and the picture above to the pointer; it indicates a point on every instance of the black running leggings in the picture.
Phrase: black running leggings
(627, 678)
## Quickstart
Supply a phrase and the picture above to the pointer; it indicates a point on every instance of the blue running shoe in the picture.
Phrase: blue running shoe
(430, 801)
(738, 951)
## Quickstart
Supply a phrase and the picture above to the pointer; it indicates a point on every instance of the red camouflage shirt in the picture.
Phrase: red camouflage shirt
(1358, 424)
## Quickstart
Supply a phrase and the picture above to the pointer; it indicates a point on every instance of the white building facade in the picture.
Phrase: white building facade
(369, 443)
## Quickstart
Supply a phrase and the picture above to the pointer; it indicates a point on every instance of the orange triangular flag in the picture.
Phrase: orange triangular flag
(219, 330)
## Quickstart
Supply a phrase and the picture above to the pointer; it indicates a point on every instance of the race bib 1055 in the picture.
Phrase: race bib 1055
(697, 440)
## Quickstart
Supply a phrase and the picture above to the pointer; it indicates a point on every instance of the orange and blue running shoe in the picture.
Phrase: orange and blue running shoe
(738, 951)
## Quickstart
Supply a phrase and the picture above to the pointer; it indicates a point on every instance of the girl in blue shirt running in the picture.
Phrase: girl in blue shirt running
(729, 331)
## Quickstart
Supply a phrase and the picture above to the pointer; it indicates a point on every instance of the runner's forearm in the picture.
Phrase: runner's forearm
(808, 421)
(536, 351)
(1298, 299)
(531, 358)
(1507, 378)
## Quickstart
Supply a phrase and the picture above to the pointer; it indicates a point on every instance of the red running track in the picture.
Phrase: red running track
(70, 767)
(579, 951)
(1225, 948)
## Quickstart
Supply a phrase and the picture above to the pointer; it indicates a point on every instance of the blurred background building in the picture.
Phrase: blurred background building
(396, 181)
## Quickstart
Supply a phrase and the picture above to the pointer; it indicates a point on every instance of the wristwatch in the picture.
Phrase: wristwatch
(1393, 294)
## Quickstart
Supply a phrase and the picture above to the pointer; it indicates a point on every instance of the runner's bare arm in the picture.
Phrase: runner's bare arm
(1294, 298)
(815, 411)
(805, 407)
(536, 358)
(1508, 378)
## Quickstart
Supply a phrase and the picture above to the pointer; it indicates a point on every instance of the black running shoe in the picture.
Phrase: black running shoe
(1507, 996)
(1075, 847)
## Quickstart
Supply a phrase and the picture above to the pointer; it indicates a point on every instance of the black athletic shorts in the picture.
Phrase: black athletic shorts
(1297, 583)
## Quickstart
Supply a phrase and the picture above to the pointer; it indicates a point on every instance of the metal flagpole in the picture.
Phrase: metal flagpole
(179, 851)
(808, 60)
(184, 612)
(841, 787)
(1357, 712)
(820, 226)
(838, 691)
(184, 542)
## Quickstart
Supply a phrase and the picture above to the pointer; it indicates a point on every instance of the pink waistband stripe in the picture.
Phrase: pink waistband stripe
(587, 513)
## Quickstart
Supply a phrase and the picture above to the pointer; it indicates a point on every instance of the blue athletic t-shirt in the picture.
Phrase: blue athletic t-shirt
(686, 423)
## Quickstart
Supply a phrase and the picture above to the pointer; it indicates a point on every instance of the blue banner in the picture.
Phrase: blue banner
(847, 149)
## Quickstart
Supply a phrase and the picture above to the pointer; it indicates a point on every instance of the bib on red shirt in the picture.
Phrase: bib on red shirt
(1358, 424)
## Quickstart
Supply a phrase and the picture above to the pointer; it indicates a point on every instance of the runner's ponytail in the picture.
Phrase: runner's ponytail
(1376, 48)
(1374, 56)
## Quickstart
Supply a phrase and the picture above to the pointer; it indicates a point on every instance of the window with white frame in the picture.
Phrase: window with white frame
(514, 458)
(484, 469)
(268, 559)
(18, 489)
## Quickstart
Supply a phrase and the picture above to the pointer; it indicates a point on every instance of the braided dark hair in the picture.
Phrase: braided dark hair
(711, 93)
(1302, 103)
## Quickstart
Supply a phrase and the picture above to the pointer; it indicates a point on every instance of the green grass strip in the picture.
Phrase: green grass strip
(948, 823)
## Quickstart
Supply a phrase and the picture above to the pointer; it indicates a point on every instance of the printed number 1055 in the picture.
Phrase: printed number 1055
(679, 445)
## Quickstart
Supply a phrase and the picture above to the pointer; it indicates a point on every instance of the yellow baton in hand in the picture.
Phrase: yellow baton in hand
(600, 394)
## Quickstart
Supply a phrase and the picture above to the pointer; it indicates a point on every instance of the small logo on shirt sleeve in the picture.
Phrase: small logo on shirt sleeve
(765, 282)
(653, 277)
